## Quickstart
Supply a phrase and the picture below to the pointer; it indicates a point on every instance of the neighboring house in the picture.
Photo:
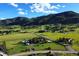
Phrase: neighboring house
(36, 40)
(65, 41)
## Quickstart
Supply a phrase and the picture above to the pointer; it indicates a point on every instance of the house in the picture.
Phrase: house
(36, 40)
(65, 41)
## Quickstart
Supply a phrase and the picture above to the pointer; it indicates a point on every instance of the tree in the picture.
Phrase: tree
(47, 27)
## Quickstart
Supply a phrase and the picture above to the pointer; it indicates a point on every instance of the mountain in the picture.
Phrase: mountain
(68, 17)
(15, 21)
(63, 18)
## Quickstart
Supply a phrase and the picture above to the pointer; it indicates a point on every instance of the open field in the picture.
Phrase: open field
(13, 47)
(20, 48)
(73, 35)
(17, 36)
(12, 40)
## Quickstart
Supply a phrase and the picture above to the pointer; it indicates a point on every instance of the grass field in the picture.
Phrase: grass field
(17, 48)
(53, 46)
(17, 36)
(13, 46)
(13, 39)
(73, 35)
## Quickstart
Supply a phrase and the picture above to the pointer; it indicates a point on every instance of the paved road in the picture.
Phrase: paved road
(46, 51)
(69, 48)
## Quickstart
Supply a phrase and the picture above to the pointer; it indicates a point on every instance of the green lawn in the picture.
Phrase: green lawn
(75, 47)
(65, 54)
(17, 36)
(33, 30)
(13, 46)
(17, 48)
(73, 35)
(54, 36)
(53, 46)
(13, 39)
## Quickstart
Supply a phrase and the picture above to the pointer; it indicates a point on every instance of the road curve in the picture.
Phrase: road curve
(46, 51)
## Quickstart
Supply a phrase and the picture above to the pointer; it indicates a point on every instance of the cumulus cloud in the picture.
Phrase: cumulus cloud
(21, 12)
(58, 5)
(44, 7)
(19, 9)
(63, 6)
(14, 4)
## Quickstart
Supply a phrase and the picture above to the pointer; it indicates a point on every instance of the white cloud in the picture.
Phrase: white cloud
(44, 7)
(14, 4)
(58, 5)
(63, 6)
(21, 13)
(20, 9)
(2, 18)
(54, 7)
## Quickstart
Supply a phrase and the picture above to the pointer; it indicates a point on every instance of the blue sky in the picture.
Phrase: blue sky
(10, 10)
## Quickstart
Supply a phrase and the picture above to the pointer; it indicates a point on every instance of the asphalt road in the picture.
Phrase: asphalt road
(69, 48)
(46, 51)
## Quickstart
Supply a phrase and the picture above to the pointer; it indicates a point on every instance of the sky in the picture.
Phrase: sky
(30, 10)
